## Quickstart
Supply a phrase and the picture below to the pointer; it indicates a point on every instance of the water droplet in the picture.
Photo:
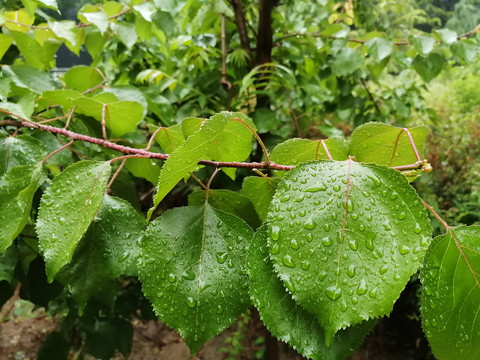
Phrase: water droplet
(322, 275)
(191, 302)
(285, 199)
(361, 227)
(289, 284)
(353, 244)
(366, 194)
(221, 257)
(275, 233)
(369, 243)
(373, 293)
(375, 180)
(171, 278)
(404, 250)
(326, 227)
(327, 241)
(302, 213)
(336, 187)
(351, 271)
(321, 187)
(305, 265)
(349, 205)
(219, 309)
(402, 215)
(274, 248)
(393, 195)
(310, 224)
(333, 293)
(188, 275)
(417, 229)
(383, 269)
(362, 287)
(288, 261)
(294, 244)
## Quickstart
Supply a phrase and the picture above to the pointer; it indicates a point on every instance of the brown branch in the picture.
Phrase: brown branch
(224, 80)
(476, 30)
(370, 95)
(142, 153)
(241, 24)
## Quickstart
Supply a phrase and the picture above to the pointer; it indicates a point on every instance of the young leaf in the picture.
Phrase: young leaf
(29, 78)
(193, 270)
(388, 145)
(428, 66)
(143, 168)
(19, 150)
(17, 188)
(67, 208)
(19, 20)
(379, 48)
(345, 238)
(296, 151)
(126, 33)
(346, 62)
(82, 78)
(5, 42)
(228, 201)
(170, 138)
(296, 326)
(8, 260)
(93, 14)
(108, 249)
(260, 191)
(423, 44)
(184, 159)
(451, 294)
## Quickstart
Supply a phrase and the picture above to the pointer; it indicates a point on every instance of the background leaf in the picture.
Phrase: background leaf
(451, 294)
(260, 191)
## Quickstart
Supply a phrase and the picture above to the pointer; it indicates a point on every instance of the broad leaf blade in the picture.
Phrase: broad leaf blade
(388, 145)
(296, 151)
(345, 238)
(17, 188)
(193, 270)
(19, 150)
(451, 294)
(260, 191)
(228, 201)
(108, 249)
(82, 78)
(185, 158)
(67, 208)
(288, 321)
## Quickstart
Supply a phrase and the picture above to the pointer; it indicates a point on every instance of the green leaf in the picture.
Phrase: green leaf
(193, 270)
(5, 42)
(428, 66)
(185, 158)
(17, 188)
(345, 238)
(19, 150)
(62, 97)
(29, 78)
(423, 44)
(126, 33)
(82, 78)
(55, 347)
(51, 4)
(15, 109)
(260, 191)
(8, 260)
(96, 16)
(121, 117)
(296, 151)
(19, 20)
(67, 208)
(296, 326)
(65, 30)
(94, 42)
(448, 36)
(106, 336)
(466, 51)
(228, 201)
(50, 142)
(143, 168)
(170, 138)
(346, 62)
(388, 145)
(34, 54)
(191, 125)
(147, 10)
(379, 48)
(451, 294)
(108, 249)
(112, 8)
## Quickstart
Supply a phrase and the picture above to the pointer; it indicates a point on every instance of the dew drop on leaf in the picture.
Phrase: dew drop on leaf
(333, 293)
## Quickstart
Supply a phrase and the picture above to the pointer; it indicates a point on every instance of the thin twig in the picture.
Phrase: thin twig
(370, 95)
(114, 176)
(104, 130)
(200, 182)
(326, 150)
(57, 151)
(412, 142)
(152, 138)
(209, 184)
(260, 142)
(223, 39)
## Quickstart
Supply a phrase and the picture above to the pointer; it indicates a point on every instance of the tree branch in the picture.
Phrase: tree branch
(241, 24)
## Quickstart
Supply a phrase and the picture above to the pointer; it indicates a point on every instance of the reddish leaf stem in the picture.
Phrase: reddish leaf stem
(114, 176)
(57, 151)
(260, 142)
(326, 150)
(412, 142)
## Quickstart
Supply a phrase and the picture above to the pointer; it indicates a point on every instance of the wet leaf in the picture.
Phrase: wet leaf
(451, 294)
(193, 270)
(296, 326)
(230, 202)
(345, 238)
(108, 249)
(260, 191)
(67, 208)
